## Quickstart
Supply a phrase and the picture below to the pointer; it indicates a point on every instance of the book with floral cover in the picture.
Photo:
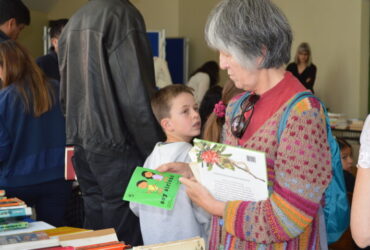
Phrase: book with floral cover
(228, 172)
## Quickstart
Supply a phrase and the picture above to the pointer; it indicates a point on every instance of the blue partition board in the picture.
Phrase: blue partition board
(175, 57)
(154, 42)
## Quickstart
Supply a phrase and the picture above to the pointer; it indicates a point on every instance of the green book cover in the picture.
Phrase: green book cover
(154, 188)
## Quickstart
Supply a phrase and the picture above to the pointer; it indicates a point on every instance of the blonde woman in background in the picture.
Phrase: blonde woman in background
(302, 67)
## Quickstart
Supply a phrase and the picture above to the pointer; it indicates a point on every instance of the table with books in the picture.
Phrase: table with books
(19, 231)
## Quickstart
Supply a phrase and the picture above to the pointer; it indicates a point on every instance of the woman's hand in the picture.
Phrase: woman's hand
(200, 196)
(180, 168)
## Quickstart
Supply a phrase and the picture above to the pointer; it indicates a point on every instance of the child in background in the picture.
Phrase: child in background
(347, 163)
(176, 110)
(213, 128)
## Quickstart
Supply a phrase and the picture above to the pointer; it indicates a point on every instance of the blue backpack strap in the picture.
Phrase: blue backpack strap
(292, 103)
(297, 98)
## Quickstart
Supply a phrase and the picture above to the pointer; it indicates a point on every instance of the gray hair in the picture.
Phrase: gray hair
(248, 29)
(303, 48)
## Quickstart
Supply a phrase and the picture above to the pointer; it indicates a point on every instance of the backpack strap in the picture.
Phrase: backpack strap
(297, 98)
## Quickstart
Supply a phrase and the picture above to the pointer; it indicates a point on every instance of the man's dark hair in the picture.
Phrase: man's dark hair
(56, 27)
(14, 9)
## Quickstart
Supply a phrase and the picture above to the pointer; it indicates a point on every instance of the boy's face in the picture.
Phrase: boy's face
(184, 121)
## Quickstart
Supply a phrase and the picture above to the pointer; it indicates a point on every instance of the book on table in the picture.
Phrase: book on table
(11, 202)
(15, 211)
(154, 188)
(228, 172)
(88, 238)
(113, 245)
(12, 223)
(58, 231)
(195, 243)
(27, 241)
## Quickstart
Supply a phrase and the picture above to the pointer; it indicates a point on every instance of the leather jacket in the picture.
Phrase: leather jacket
(107, 78)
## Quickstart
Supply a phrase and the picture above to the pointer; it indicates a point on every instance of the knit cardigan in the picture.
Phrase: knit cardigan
(299, 170)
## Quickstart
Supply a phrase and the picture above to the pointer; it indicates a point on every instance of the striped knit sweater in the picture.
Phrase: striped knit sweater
(299, 170)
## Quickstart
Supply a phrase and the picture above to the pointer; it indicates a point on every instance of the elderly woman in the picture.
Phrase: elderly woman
(254, 39)
(360, 212)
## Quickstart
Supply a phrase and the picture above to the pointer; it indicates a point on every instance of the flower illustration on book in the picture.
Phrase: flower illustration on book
(213, 155)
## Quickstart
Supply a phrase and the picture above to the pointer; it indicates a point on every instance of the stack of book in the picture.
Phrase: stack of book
(13, 212)
(64, 238)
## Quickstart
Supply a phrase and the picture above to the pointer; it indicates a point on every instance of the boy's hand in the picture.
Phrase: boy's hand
(181, 168)
(200, 196)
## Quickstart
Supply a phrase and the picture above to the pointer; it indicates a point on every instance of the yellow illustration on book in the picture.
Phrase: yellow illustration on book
(154, 176)
(211, 155)
(151, 188)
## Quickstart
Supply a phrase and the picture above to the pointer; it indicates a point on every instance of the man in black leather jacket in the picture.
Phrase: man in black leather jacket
(107, 77)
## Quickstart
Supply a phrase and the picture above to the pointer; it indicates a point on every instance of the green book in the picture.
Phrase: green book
(154, 188)
(6, 225)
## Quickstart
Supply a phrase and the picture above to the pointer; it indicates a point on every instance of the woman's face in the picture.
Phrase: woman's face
(346, 157)
(243, 78)
(303, 57)
(1, 74)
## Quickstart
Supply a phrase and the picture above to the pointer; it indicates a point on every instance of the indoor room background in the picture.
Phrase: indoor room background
(337, 30)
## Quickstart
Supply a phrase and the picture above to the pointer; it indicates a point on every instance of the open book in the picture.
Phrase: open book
(230, 173)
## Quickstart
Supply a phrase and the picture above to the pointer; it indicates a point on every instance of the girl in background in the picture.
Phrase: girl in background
(213, 128)
(32, 136)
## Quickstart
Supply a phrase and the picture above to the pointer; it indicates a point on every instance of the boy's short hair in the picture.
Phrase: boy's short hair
(14, 9)
(56, 27)
(161, 101)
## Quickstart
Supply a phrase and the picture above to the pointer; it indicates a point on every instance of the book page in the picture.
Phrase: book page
(230, 173)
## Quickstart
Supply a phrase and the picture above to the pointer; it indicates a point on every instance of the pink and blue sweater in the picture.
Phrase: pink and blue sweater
(299, 170)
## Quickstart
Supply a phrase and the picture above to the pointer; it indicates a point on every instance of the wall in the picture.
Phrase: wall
(338, 32)
(192, 23)
(65, 8)
(31, 36)
(160, 14)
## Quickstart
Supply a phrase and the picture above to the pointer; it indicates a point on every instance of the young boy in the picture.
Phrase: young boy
(177, 112)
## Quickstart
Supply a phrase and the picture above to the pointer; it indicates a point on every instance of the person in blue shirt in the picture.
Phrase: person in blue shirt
(32, 136)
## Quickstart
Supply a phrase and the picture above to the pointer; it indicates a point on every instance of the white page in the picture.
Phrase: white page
(233, 173)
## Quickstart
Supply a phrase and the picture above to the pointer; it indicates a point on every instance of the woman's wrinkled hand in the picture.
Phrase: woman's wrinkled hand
(200, 196)
(180, 168)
